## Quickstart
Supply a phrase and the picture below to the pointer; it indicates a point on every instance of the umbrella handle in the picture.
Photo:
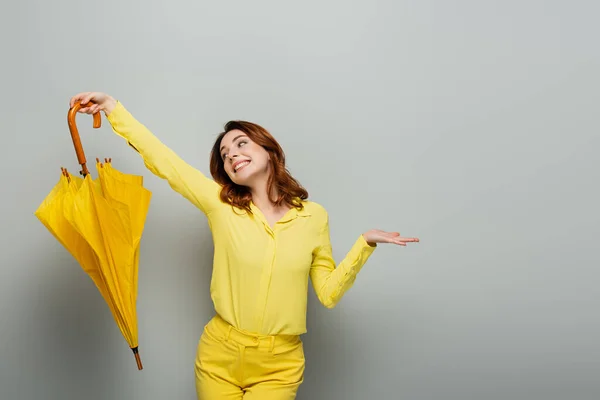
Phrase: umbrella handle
(75, 134)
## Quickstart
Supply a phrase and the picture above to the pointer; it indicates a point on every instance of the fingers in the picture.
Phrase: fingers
(395, 236)
(78, 97)
(87, 98)
(84, 98)
(94, 109)
(402, 239)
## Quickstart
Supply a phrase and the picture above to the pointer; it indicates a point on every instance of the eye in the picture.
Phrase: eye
(241, 143)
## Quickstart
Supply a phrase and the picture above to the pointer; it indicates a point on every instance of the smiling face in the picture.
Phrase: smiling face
(244, 161)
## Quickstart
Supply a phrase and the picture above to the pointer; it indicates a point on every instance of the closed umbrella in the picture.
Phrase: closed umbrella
(100, 222)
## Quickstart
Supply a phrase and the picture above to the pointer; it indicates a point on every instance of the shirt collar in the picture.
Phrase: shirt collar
(292, 214)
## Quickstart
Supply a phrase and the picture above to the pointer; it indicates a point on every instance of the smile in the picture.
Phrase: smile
(240, 165)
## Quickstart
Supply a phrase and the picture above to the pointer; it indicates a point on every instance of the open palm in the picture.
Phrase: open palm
(379, 236)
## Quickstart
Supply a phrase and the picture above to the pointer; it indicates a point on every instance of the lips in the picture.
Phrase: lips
(238, 165)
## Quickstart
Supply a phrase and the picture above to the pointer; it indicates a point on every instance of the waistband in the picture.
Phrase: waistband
(249, 339)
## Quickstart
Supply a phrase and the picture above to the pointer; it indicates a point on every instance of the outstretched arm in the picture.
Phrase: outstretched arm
(331, 282)
(158, 158)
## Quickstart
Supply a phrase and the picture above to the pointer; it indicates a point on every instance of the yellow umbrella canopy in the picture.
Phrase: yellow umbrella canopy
(101, 222)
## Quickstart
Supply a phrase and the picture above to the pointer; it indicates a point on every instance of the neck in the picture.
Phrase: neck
(260, 196)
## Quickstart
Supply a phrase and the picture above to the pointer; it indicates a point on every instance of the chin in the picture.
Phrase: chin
(240, 180)
(246, 180)
(246, 176)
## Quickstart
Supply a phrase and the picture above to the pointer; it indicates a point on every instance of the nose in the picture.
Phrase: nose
(232, 157)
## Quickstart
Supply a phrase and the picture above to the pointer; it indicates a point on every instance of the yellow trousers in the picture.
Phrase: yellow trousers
(233, 365)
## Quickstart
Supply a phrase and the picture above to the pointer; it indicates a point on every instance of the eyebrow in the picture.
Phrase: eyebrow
(234, 139)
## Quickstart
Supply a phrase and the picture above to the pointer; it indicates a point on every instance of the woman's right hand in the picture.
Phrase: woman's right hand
(99, 102)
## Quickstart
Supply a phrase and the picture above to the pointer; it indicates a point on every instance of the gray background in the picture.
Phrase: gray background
(469, 124)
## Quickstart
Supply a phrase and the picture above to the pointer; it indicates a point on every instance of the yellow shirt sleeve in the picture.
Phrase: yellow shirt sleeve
(331, 282)
(186, 180)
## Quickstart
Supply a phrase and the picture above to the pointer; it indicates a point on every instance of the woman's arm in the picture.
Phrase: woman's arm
(164, 163)
(158, 158)
(331, 282)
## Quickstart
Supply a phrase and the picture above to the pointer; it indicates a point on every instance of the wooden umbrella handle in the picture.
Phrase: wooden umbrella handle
(75, 134)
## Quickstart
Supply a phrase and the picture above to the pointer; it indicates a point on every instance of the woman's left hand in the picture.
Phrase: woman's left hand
(378, 236)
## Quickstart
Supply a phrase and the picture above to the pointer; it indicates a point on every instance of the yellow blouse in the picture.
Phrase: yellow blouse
(260, 273)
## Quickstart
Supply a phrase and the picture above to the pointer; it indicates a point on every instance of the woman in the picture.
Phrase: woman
(268, 239)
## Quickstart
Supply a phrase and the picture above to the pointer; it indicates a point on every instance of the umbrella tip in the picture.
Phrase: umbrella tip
(137, 358)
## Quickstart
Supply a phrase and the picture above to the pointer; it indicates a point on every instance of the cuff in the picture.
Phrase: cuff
(360, 253)
(117, 114)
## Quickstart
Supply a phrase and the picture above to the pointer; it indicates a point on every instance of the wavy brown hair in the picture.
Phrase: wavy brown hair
(289, 191)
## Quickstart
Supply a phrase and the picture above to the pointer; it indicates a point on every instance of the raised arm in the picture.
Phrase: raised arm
(163, 162)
